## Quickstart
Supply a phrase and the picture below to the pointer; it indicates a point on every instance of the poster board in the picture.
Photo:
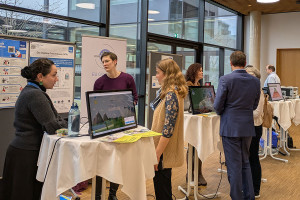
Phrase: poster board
(62, 55)
(154, 86)
(92, 68)
(13, 57)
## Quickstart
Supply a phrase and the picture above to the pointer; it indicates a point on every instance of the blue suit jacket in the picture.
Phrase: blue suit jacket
(237, 96)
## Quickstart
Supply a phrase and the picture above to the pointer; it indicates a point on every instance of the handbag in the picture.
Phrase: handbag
(268, 113)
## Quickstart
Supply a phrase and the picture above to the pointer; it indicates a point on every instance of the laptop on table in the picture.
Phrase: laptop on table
(110, 112)
(202, 99)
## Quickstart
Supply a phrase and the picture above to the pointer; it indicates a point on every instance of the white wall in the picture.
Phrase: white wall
(277, 31)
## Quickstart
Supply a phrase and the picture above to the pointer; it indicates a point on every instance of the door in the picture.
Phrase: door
(288, 67)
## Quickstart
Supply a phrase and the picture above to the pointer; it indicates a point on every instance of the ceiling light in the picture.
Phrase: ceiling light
(17, 31)
(267, 1)
(153, 12)
(150, 20)
(7, 26)
(86, 5)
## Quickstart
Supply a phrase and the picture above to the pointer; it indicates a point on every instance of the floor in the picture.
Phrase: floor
(283, 179)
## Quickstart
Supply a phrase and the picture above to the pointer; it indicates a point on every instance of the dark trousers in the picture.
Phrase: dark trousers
(162, 183)
(19, 175)
(236, 151)
(112, 190)
(254, 160)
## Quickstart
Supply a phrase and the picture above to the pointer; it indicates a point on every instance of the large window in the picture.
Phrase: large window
(220, 26)
(227, 67)
(211, 65)
(174, 18)
(188, 57)
(82, 9)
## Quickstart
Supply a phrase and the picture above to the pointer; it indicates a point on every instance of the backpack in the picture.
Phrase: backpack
(268, 113)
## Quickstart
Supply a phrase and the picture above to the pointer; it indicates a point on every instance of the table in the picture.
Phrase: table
(80, 158)
(203, 133)
(287, 112)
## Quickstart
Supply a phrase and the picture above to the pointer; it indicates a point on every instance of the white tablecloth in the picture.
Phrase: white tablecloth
(203, 133)
(285, 111)
(296, 104)
(78, 159)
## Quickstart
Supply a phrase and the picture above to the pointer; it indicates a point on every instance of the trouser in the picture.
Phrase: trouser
(254, 160)
(236, 151)
(162, 182)
(112, 190)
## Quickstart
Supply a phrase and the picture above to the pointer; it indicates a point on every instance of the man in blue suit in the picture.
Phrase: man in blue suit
(237, 96)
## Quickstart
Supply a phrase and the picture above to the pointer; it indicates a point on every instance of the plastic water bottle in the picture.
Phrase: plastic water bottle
(73, 120)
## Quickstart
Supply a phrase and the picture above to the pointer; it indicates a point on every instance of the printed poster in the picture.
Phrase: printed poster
(62, 55)
(13, 57)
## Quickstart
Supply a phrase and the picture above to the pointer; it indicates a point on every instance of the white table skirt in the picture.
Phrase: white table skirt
(285, 111)
(203, 133)
(78, 159)
(296, 104)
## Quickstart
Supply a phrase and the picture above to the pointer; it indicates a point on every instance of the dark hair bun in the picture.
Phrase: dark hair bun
(26, 73)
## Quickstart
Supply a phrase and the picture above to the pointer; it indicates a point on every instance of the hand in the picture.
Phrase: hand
(156, 166)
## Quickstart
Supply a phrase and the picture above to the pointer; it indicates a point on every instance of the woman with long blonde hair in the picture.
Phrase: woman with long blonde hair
(168, 119)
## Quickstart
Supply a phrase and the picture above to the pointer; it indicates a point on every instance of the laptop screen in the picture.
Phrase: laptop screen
(275, 91)
(110, 112)
(202, 99)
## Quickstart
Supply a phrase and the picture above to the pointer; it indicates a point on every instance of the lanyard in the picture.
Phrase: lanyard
(34, 85)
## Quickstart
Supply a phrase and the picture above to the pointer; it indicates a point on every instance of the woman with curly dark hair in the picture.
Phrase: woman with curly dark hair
(193, 75)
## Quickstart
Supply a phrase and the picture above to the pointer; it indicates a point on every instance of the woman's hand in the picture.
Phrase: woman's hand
(158, 159)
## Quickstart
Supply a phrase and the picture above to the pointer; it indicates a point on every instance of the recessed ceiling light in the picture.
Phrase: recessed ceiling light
(153, 12)
(267, 1)
(150, 20)
(249, 5)
(86, 5)
(17, 31)
(7, 26)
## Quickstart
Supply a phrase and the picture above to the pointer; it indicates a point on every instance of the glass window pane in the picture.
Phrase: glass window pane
(19, 24)
(123, 11)
(174, 18)
(82, 9)
(189, 56)
(220, 26)
(211, 65)
(227, 67)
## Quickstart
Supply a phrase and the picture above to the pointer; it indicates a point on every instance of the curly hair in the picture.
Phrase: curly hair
(173, 78)
(41, 65)
(192, 71)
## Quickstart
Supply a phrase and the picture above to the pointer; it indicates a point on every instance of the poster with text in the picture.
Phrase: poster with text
(92, 68)
(63, 57)
(13, 57)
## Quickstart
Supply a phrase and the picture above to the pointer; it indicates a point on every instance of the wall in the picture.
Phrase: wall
(7, 133)
(277, 31)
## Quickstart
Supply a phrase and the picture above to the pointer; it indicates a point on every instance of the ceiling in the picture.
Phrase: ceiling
(246, 6)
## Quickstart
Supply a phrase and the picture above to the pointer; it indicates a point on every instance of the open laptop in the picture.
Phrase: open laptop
(110, 112)
(275, 91)
(202, 99)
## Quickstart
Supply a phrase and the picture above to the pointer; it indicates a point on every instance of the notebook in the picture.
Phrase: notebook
(110, 112)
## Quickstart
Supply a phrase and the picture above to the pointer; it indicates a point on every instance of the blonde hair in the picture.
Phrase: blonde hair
(173, 78)
(253, 71)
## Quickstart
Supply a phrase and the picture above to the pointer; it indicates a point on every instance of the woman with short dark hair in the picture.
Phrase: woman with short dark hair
(34, 115)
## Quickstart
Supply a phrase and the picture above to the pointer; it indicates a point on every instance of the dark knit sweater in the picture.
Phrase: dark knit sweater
(34, 114)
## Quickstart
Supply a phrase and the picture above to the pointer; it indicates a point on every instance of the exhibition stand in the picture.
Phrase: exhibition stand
(76, 159)
(202, 133)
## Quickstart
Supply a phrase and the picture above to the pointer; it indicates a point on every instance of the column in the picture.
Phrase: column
(254, 39)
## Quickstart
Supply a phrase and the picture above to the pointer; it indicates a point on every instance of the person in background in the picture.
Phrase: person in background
(254, 146)
(272, 76)
(193, 75)
(34, 115)
(168, 119)
(237, 96)
(112, 80)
